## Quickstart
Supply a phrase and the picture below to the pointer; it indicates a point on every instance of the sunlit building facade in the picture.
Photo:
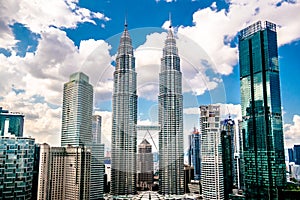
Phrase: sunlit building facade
(145, 165)
(211, 151)
(124, 120)
(64, 173)
(97, 161)
(77, 111)
(171, 166)
(265, 170)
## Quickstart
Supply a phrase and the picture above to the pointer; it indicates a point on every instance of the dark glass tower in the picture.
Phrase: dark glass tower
(170, 118)
(261, 110)
(124, 103)
(194, 154)
(228, 150)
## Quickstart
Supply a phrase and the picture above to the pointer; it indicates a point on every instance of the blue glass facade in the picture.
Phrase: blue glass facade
(16, 167)
(296, 151)
(195, 156)
(261, 110)
(16, 123)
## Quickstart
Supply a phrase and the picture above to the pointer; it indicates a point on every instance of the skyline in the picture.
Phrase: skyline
(84, 36)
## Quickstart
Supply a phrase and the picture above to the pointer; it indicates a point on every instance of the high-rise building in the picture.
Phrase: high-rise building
(194, 153)
(97, 161)
(171, 166)
(265, 170)
(211, 153)
(145, 165)
(96, 129)
(296, 151)
(64, 172)
(228, 159)
(16, 167)
(77, 111)
(124, 119)
(240, 158)
(15, 123)
(291, 155)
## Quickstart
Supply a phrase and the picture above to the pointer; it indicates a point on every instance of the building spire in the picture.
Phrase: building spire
(170, 19)
(125, 21)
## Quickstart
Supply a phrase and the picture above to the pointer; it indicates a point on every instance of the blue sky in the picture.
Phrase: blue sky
(42, 44)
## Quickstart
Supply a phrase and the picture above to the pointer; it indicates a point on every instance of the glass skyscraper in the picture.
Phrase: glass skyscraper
(97, 161)
(77, 111)
(124, 119)
(171, 174)
(228, 142)
(261, 110)
(16, 167)
(194, 153)
(15, 123)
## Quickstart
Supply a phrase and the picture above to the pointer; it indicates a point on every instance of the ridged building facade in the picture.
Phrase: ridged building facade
(77, 111)
(211, 152)
(64, 173)
(124, 108)
(170, 99)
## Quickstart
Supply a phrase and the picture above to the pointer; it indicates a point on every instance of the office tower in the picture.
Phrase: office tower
(261, 111)
(228, 150)
(195, 155)
(44, 173)
(296, 151)
(211, 153)
(15, 120)
(97, 161)
(170, 119)
(240, 158)
(77, 111)
(64, 172)
(16, 167)
(124, 119)
(291, 155)
(145, 165)
(35, 172)
(96, 129)
(188, 177)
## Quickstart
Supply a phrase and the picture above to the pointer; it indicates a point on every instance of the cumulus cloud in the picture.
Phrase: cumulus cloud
(292, 132)
(40, 76)
(196, 66)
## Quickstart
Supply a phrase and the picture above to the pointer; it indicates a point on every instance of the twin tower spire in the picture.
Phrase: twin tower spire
(124, 120)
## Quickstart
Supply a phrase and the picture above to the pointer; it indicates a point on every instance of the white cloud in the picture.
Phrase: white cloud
(40, 77)
(292, 132)
(39, 16)
(196, 66)
(106, 127)
(213, 28)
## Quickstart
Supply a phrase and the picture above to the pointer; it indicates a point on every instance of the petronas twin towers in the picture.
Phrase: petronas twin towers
(124, 120)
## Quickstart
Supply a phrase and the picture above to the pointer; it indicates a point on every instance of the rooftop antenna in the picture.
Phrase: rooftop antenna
(170, 20)
(228, 112)
(125, 20)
